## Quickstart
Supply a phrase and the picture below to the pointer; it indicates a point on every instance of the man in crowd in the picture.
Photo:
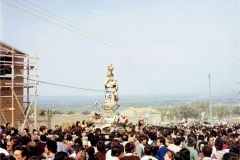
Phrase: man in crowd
(101, 150)
(9, 148)
(219, 147)
(161, 143)
(21, 153)
(130, 149)
(207, 151)
(190, 146)
(176, 146)
(140, 147)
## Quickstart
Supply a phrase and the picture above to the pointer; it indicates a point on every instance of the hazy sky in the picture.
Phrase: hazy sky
(156, 46)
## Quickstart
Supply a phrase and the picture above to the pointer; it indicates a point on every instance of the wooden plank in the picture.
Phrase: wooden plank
(18, 56)
(10, 62)
(18, 96)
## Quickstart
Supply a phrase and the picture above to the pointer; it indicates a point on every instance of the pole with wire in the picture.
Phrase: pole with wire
(210, 101)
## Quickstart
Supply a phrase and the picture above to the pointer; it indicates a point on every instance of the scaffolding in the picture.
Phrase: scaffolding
(18, 86)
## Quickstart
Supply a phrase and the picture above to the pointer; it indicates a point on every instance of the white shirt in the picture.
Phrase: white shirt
(148, 157)
(73, 155)
(4, 151)
(109, 155)
(150, 141)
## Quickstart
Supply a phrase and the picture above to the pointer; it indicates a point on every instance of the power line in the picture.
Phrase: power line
(143, 55)
(60, 85)
(107, 38)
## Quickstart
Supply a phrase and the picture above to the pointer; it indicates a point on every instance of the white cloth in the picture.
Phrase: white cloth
(148, 157)
(109, 155)
(73, 155)
(4, 151)
(150, 141)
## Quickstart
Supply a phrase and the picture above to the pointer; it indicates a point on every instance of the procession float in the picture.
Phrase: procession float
(109, 120)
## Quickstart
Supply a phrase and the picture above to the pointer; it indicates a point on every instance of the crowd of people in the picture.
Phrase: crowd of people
(83, 141)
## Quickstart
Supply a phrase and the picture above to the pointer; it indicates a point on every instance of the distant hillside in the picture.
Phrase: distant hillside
(79, 104)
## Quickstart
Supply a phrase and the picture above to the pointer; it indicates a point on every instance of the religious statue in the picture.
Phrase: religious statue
(111, 87)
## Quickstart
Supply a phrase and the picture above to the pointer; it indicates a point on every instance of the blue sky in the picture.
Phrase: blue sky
(157, 47)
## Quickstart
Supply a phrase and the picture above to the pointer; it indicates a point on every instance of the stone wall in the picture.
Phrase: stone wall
(51, 120)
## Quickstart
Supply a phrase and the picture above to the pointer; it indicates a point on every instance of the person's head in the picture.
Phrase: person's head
(8, 125)
(43, 129)
(161, 141)
(207, 151)
(177, 141)
(201, 145)
(152, 136)
(117, 151)
(230, 144)
(115, 143)
(56, 127)
(25, 140)
(124, 137)
(147, 150)
(118, 136)
(130, 147)
(142, 139)
(201, 137)
(60, 138)
(51, 146)
(90, 136)
(135, 137)
(191, 142)
(84, 122)
(69, 137)
(14, 131)
(230, 156)
(218, 144)
(185, 153)
(90, 151)
(77, 123)
(9, 146)
(35, 132)
(98, 131)
(77, 141)
(43, 138)
(61, 156)
(101, 146)
(94, 140)
(85, 144)
(20, 153)
(210, 140)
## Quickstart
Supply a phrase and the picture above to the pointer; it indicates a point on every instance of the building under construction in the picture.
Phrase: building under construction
(18, 86)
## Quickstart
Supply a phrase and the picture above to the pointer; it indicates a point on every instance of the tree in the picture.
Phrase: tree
(56, 112)
(236, 110)
(188, 111)
(221, 111)
(41, 112)
(70, 112)
(86, 112)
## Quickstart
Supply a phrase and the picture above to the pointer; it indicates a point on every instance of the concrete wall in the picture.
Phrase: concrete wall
(51, 120)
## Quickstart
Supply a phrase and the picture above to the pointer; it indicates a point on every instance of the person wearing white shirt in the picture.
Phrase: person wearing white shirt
(117, 152)
(148, 153)
(109, 152)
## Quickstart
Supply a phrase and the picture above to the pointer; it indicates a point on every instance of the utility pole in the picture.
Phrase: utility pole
(210, 101)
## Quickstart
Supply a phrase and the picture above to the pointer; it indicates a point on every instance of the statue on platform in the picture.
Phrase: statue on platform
(111, 87)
